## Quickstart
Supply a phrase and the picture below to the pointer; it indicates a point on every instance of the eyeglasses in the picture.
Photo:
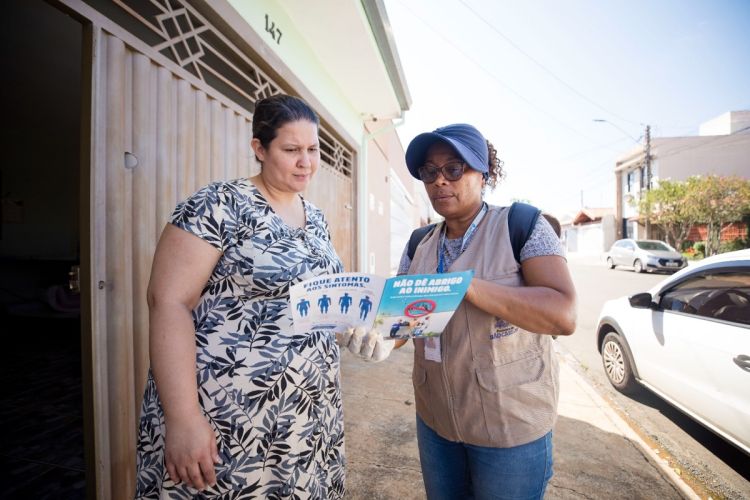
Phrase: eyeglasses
(451, 172)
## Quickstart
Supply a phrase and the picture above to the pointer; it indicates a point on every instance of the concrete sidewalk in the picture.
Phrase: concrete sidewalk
(597, 455)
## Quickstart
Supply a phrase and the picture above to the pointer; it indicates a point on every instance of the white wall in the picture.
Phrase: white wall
(300, 57)
(403, 211)
(728, 123)
(592, 238)
(682, 157)
(609, 231)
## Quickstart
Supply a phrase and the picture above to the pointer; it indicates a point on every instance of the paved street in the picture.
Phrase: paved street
(594, 457)
(694, 450)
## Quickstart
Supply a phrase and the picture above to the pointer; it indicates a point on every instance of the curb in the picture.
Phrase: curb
(568, 363)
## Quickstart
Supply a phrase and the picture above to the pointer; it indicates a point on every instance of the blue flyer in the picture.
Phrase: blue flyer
(401, 307)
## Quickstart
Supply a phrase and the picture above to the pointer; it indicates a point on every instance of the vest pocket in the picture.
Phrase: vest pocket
(514, 373)
(518, 401)
(422, 395)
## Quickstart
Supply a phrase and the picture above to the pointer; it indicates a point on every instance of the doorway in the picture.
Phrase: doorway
(41, 420)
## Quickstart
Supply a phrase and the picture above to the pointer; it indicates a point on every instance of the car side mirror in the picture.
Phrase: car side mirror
(642, 301)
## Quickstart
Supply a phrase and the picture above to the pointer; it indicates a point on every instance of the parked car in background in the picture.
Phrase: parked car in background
(645, 255)
(688, 340)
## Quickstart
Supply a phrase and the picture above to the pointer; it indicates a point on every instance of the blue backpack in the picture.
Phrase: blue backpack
(521, 221)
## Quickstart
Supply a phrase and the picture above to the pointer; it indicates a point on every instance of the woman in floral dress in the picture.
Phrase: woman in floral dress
(236, 405)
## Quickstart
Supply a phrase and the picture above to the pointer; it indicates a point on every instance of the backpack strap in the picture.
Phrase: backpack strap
(521, 222)
(416, 238)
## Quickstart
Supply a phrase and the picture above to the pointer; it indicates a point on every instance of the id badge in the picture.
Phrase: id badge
(432, 349)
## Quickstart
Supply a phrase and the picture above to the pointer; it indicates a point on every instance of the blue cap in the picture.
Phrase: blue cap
(466, 140)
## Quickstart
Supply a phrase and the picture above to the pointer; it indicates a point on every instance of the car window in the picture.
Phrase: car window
(652, 245)
(724, 296)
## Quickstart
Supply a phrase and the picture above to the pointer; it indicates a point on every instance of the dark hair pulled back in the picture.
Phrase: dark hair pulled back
(272, 113)
(496, 172)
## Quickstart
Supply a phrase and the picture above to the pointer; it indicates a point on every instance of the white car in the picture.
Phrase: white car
(645, 255)
(688, 340)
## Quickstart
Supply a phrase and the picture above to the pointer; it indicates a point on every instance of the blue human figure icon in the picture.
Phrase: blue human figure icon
(365, 304)
(303, 306)
(323, 303)
(344, 302)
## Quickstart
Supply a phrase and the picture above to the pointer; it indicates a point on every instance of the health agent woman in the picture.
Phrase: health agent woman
(486, 390)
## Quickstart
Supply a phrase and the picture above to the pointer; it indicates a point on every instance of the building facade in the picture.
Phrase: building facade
(154, 99)
(722, 148)
(591, 231)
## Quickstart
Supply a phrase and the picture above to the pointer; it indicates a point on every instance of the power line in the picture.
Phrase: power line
(491, 75)
(578, 153)
(544, 68)
(707, 143)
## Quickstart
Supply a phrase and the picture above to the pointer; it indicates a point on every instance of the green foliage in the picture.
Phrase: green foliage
(717, 202)
(689, 252)
(686, 244)
(520, 200)
(711, 200)
(699, 247)
(665, 205)
(731, 246)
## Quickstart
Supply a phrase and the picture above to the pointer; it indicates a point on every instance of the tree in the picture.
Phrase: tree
(717, 202)
(666, 206)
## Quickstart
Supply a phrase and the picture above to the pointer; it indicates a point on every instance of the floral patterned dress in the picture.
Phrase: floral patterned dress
(272, 397)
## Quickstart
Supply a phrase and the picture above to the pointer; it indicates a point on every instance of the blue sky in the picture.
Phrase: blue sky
(533, 75)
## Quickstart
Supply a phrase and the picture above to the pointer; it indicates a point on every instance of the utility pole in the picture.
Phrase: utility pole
(647, 165)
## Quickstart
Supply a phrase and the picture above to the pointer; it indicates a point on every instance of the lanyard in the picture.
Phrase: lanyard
(464, 240)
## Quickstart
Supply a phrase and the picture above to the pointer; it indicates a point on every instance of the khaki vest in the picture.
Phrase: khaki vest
(497, 385)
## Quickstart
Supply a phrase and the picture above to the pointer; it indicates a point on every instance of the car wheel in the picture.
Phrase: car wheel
(610, 263)
(616, 365)
(637, 266)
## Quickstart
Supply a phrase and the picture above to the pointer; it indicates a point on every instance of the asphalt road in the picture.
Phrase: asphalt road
(720, 468)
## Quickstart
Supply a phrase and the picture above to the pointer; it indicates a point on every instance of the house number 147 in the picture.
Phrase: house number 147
(273, 30)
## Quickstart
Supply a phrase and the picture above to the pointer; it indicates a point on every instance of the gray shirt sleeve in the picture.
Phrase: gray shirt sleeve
(543, 241)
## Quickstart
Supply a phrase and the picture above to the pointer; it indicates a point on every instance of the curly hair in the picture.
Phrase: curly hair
(496, 172)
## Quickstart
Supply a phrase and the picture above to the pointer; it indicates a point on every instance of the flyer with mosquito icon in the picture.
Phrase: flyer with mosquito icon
(401, 307)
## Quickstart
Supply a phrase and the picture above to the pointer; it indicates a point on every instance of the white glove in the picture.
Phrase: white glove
(370, 346)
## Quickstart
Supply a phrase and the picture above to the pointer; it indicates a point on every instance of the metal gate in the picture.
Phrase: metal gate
(162, 126)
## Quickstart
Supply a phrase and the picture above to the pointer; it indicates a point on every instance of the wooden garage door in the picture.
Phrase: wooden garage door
(158, 134)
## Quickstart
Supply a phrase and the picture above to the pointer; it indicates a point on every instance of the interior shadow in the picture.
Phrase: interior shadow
(41, 420)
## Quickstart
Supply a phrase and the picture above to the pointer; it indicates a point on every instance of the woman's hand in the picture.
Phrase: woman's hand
(470, 294)
(190, 451)
(370, 346)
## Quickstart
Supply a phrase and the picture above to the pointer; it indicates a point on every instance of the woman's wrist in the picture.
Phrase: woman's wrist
(471, 292)
(185, 412)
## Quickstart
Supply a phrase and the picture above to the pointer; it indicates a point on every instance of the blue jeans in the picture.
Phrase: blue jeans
(453, 471)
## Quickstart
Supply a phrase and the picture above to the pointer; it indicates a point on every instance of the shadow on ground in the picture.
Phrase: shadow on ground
(383, 462)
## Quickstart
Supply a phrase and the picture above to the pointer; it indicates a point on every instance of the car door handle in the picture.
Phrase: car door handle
(743, 361)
